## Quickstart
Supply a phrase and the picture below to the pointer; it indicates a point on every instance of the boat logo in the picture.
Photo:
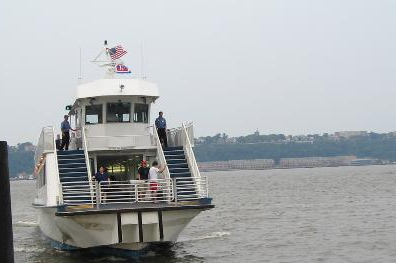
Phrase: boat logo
(121, 68)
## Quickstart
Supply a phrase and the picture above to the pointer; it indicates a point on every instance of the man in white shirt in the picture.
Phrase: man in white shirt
(153, 177)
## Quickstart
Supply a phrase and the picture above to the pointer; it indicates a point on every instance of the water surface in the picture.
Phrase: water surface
(344, 214)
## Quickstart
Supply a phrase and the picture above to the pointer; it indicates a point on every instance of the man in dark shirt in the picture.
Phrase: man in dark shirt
(58, 142)
(102, 176)
(143, 171)
(65, 128)
(160, 124)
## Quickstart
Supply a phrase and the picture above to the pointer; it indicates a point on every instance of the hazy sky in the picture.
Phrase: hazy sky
(290, 67)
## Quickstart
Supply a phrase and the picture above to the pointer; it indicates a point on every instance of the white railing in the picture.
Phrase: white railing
(160, 190)
(46, 142)
(77, 193)
(175, 135)
(88, 163)
(135, 191)
(60, 199)
(160, 154)
(190, 156)
(186, 188)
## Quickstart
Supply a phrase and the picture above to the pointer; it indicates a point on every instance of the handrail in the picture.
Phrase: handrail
(135, 191)
(190, 156)
(184, 185)
(88, 164)
(57, 169)
(160, 153)
(175, 190)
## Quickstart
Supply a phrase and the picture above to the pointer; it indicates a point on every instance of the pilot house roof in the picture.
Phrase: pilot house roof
(117, 87)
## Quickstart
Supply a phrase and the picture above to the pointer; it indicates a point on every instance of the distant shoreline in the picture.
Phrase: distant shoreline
(277, 167)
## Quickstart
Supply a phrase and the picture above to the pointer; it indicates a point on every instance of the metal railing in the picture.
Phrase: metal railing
(160, 154)
(88, 163)
(46, 142)
(160, 190)
(191, 161)
(186, 188)
(60, 196)
(175, 135)
(78, 193)
(135, 191)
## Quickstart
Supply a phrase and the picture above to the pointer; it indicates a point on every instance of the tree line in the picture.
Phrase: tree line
(373, 145)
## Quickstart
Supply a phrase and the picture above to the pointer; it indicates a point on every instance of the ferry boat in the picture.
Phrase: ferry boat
(112, 122)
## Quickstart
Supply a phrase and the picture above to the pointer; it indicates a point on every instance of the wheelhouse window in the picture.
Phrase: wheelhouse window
(93, 114)
(118, 112)
(140, 113)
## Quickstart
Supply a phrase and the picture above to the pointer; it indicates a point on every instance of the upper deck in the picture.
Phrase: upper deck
(117, 87)
(115, 113)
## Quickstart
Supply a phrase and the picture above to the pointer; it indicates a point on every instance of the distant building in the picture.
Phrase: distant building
(231, 140)
(255, 164)
(350, 134)
(315, 161)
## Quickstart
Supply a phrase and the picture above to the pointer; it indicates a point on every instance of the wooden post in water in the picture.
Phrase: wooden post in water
(6, 239)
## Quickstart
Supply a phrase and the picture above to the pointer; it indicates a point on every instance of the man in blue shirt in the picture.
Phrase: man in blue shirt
(65, 128)
(160, 124)
(103, 176)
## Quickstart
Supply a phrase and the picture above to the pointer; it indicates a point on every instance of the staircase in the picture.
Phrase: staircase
(74, 177)
(178, 168)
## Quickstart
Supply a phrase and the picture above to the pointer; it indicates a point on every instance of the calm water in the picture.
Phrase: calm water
(345, 214)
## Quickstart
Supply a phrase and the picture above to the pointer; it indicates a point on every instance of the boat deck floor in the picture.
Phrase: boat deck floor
(130, 207)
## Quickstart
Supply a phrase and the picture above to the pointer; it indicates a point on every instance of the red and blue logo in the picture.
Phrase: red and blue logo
(121, 68)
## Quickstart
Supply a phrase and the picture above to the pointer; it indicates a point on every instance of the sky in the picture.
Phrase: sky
(291, 67)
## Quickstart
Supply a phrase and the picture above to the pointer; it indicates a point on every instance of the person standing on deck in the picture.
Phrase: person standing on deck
(153, 177)
(143, 171)
(160, 124)
(65, 128)
(102, 176)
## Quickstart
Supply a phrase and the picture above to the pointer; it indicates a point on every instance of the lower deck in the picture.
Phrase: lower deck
(132, 207)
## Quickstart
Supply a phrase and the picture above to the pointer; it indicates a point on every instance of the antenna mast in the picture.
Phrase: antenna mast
(80, 71)
(142, 61)
(107, 62)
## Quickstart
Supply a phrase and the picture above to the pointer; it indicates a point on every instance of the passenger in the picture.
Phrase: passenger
(143, 171)
(160, 124)
(65, 128)
(153, 177)
(58, 142)
(102, 176)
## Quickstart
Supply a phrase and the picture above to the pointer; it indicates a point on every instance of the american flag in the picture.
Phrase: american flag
(117, 52)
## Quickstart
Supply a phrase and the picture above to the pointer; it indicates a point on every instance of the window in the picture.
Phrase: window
(141, 113)
(121, 167)
(118, 112)
(93, 114)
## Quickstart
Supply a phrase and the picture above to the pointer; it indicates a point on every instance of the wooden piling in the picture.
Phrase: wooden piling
(6, 238)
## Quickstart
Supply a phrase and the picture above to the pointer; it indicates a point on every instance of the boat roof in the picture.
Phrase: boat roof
(117, 87)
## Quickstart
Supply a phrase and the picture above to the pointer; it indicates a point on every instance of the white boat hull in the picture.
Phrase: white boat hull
(120, 230)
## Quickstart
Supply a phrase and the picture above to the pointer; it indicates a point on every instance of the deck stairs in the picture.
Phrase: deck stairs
(73, 173)
(178, 168)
